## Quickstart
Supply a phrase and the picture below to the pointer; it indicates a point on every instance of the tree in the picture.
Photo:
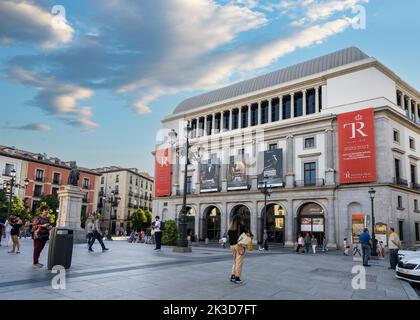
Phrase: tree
(139, 219)
(51, 213)
(19, 210)
(148, 216)
(3, 205)
(51, 202)
(170, 234)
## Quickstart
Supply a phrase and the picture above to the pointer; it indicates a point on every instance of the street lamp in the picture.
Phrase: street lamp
(182, 242)
(11, 185)
(266, 190)
(372, 197)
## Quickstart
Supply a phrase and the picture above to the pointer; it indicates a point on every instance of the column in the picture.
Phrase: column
(292, 105)
(316, 99)
(230, 119)
(259, 113)
(254, 223)
(418, 113)
(198, 133)
(212, 124)
(205, 125)
(197, 221)
(240, 117)
(249, 115)
(409, 108)
(280, 108)
(331, 230)
(289, 238)
(329, 157)
(290, 176)
(304, 102)
(270, 106)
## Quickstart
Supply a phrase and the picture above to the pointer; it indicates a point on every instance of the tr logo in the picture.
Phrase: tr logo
(356, 127)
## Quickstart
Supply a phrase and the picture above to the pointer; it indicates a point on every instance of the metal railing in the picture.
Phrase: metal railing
(415, 186)
(310, 183)
(400, 182)
(7, 173)
(39, 179)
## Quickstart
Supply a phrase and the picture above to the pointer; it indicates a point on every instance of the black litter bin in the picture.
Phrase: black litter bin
(60, 248)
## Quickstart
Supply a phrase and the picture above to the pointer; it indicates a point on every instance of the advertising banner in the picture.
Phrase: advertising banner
(209, 177)
(270, 165)
(358, 223)
(237, 178)
(163, 173)
(356, 137)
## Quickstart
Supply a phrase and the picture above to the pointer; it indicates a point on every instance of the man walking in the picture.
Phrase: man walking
(158, 233)
(41, 229)
(366, 241)
(394, 245)
(97, 233)
(89, 230)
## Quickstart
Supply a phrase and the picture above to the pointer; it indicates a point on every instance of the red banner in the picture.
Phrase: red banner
(163, 173)
(356, 136)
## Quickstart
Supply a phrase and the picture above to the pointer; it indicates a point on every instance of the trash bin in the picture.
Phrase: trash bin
(60, 248)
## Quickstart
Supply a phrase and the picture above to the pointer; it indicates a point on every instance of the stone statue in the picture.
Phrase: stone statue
(74, 175)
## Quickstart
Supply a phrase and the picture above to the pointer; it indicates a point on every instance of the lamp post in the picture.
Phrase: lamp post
(10, 186)
(266, 190)
(182, 242)
(372, 197)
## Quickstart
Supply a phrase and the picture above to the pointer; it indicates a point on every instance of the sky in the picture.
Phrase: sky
(91, 80)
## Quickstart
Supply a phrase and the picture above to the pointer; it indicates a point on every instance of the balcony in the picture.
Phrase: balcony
(130, 205)
(57, 182)
(400, 182)
(7, 173)
(415, 186)
(130, 193)
(310, 183)
(101, 193)
(39, 179)
(38, 194)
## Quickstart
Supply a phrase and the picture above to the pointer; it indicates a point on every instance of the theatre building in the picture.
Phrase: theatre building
(319, 134)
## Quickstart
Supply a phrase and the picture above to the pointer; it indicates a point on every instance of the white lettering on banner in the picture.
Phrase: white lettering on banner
(354, 129)
(163, 161)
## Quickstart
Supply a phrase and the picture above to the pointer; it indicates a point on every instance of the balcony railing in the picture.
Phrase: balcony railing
(7, 173)
(38, 194)
(39, 179)
(415, 186)
(130, 193)
(58, 182)
(400, 182)
(310, 183)
(101, 193)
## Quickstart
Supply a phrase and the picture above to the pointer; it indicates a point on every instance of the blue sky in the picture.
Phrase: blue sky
(94, 87)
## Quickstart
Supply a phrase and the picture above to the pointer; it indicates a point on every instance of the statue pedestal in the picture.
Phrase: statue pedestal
(70, 210)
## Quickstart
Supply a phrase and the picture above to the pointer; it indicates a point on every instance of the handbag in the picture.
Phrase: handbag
(244, 240)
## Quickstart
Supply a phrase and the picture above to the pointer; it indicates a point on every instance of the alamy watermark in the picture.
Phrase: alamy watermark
(59, 17)
(58, 282)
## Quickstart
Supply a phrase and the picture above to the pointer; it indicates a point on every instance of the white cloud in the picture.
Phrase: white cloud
(34, 127)
(25, 22)
(57, 99)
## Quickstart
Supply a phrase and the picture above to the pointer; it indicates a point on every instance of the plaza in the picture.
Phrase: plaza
(137, 272)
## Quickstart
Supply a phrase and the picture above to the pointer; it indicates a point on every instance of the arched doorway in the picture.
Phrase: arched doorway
(190, 220)
(275, 223)
(312, 220)
(245, 213)
(213, 222)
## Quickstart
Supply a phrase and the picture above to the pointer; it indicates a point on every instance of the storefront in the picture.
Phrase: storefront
(311, 219)
(213, 223)
(275, 223)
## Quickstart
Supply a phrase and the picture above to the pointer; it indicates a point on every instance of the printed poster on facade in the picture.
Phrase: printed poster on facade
(209, 177)
(163, 172)
(356, 136)
(358, 223)
(270, 164)
(237, 178)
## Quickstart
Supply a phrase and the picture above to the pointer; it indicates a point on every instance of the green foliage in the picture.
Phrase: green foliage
(139, 219)
(51, 214)
(3, 205)
(19, 210)
(170, 234)
(148, 216)
(51, 202)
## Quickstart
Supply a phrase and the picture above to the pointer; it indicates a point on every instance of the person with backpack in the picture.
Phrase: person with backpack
(158, 227)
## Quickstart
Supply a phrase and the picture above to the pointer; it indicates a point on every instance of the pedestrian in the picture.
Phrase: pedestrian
(380, 249)
(314, 243)
(132, 238)
(158, 233)
(1, 231)
(7, 231)
(41, 233)
(265, 240)
(27, 230)
(324, 244)
(307, 242)
(346, 247)
(366, 241)
(142, 236)
(16, 224)
(189, 239)
(237, 228)
(89, 230)
(394, 245)
(97, 233)
(300, 243)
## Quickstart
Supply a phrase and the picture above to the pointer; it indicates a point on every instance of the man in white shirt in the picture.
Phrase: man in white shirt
(158, 233)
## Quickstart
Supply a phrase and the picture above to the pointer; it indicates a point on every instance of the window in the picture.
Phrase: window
(413, 174)
(401, 229)
(137, 181)
(209, 124)
(39, 175)
(298, 104)
(117, 179)
(320, 98)
(201, 126)
(275, 109)
(85, 183)
(8, 169)
(310, 173)
(310, 101)
(226, 116)
(241, 152)
(217, 121)
(235, 120)
(146, 184)
(244, 117)
(397, 168)
(151, 187)
(102, 180)
(286, 107)
(398, 98)
(264, 112)
(272, 146)
(396, 136)
(194, 128)
(131, 179)
(37, 191)
(35, 205)
(399, 200)
(416, 205)
(417, 231)
(412, 144)
(189, 185)
(56, 178)
(54, 192)
(309, 143)
(141, 184)
(254, 114)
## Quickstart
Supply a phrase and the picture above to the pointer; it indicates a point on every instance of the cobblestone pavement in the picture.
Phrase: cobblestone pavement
(136, 271)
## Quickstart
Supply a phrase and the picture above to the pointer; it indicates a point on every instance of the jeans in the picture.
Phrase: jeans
(365, 253)
(89, 238)
(38, 247)
(393, 258)
(96, 235)
(307, 247)
(158, 239)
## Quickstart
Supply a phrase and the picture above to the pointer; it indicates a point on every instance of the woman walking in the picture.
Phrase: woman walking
(346, 247)
(16, 224)
(314, 243)
(300, 243)
(7, 232)
(236, 228)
